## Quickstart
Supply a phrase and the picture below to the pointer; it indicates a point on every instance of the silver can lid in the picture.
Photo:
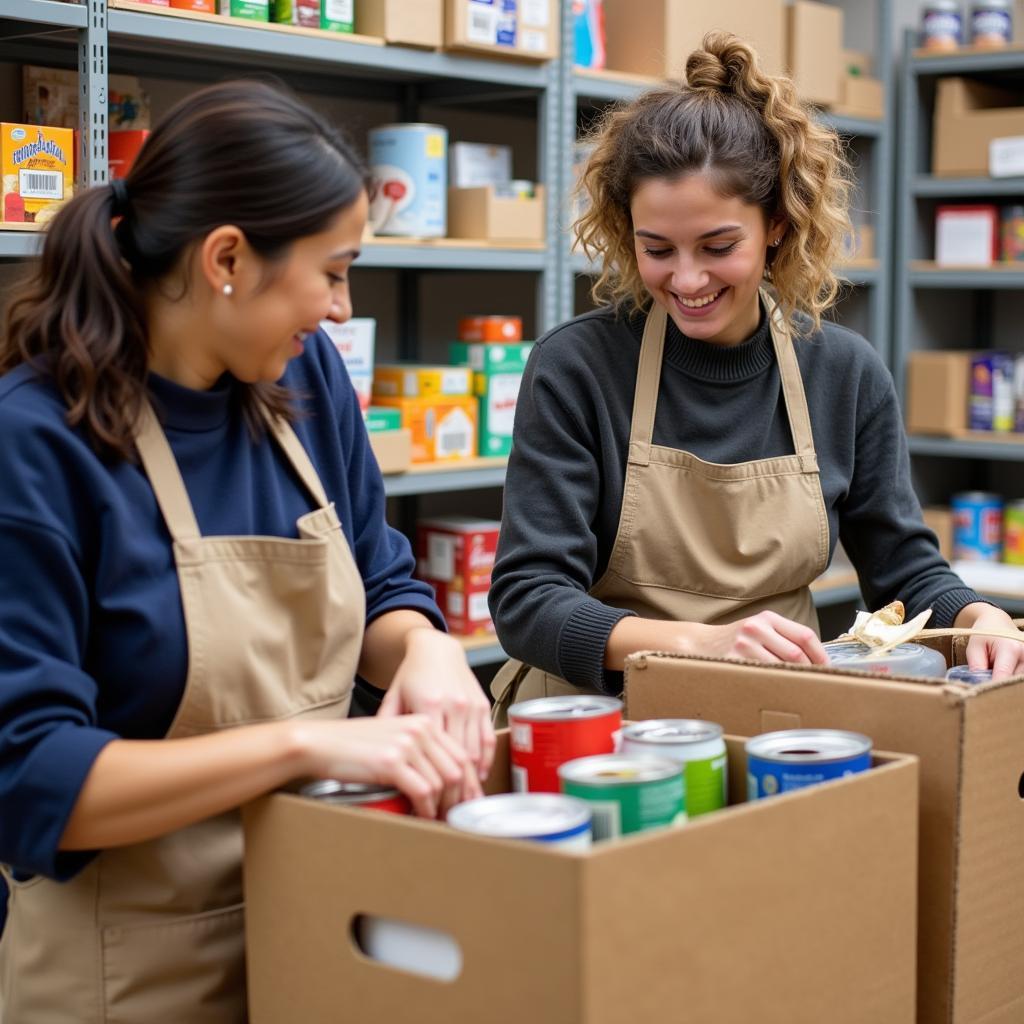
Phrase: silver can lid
(672, 731)
(553, 709)
(521, 815)
(336, 791)
(803, 746)
(618, 770)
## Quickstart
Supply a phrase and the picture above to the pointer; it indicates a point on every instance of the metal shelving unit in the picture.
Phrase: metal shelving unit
(440, 480)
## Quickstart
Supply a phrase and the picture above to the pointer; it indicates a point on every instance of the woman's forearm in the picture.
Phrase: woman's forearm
(385, 644)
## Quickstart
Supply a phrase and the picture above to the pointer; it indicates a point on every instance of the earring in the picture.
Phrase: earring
(776, 242)
(228, 290)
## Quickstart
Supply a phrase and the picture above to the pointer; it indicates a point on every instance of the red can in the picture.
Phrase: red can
(549, 731)
(358, 794)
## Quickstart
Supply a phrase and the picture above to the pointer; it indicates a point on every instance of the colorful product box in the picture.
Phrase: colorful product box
(38, 172)
(338, 15)
(991, 405)
(456, 557)
(443, 427)
(296, 12)
(50, 97)
(249, 10)
(123, 147)
(354, 340)
(490, 328)
(967, 235)
(588, 33)
(202, 6)
(378, 419)
(407, 380)
(498, 374)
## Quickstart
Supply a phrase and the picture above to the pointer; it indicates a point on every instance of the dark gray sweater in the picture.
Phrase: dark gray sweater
(563, 493)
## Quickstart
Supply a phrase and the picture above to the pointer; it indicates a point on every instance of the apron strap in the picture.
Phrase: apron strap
(297, 456)
(792, 386)
(648, 377)
(164, 476)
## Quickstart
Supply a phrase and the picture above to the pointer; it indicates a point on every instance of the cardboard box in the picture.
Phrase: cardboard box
(800, 908)
(968, 739)
(475, 164)
(654, 37)
(938, 386)
(37, 168)
(858, 62)
(860, 96)
(409, 380)
(968, 116)
(50, 97)
(814, 50)
(479, 213)
(967, 235)
(393, 450)
(940, 522)
(457, 549)
(123, 147)
(406, 22)
(496, 381)
(526, 29)
(443, 426)
(466, 612)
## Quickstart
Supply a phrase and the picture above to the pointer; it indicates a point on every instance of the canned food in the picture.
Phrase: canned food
(491, 328)
(409, 172)
(779, 762)
(941, 27)
(626, 793)
(1012, 230)
(1013, 533)
(977, 526)
(358, 794)
(991, 23)
(697, 746)
(903, 660)
(991, 403)
(549, 731)
(551, 818)
(966, 674)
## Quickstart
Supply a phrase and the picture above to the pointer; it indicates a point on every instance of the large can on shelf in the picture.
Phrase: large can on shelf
(977, 526)
(409, 172)
(699, 749)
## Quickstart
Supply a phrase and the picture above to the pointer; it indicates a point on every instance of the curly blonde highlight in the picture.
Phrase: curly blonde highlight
(757, 141)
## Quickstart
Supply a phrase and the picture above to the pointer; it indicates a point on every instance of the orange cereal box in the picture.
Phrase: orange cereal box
(38, 171)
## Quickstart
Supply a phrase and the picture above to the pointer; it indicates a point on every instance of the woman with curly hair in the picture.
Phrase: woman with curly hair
(687, 456)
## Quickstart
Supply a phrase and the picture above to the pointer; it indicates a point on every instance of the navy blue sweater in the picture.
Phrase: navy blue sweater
(92, 635)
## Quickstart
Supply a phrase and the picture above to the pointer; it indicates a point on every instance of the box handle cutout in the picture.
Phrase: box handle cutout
(1020, 787)
(407, 947)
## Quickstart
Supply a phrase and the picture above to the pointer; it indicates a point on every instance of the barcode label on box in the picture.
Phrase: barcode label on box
(455, 435)
(482, 23)
(41, 184)
(478, 610)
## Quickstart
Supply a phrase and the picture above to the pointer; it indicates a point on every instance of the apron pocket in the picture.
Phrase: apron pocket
(183, 969)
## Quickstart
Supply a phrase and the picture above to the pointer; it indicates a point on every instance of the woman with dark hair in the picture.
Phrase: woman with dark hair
(687, 456)
(195, 564)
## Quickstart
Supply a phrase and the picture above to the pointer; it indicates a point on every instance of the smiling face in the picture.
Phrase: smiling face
(702, 256)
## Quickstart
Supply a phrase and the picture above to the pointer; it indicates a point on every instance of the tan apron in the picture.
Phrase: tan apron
(703, 542)
(153, 932)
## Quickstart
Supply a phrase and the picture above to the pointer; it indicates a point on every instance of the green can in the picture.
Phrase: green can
(693, 743)
(626, 793)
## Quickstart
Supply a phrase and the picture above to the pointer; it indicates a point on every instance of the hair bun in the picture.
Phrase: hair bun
(723, 62)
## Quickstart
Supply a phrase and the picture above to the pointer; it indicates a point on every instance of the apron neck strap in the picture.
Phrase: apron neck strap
(648, 378)
(165, 477)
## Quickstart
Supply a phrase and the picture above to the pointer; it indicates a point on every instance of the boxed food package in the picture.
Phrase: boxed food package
(498, 373)
(654, 37)
(968, 116)
(938, 386)
(50, 97)
(408, 22)
(800, 908)
(354, 340)
(991, 404)
(378, 419)
(526, 29)
(456, 556)
(38, 172)
(967, 737)
(814, 50)
(967, 235)
(473, 164)
(409, 380)
(247, 10)
(123, 147)
(442, 426)
(483, 213)
(203, 6)
(296, 12)
(392, 449)
(588, 33)
(490, 328)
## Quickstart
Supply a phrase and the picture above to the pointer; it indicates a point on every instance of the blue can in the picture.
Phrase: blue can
(977, 526)
(966, 674)
(409, 180)
(779, 762)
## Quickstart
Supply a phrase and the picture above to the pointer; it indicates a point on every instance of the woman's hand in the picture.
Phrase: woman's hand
(410, 752)
(1004, 657)
(766, 636)
(434, 680)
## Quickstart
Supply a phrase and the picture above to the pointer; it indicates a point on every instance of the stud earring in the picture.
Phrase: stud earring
(228, 290)
(776, 242)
